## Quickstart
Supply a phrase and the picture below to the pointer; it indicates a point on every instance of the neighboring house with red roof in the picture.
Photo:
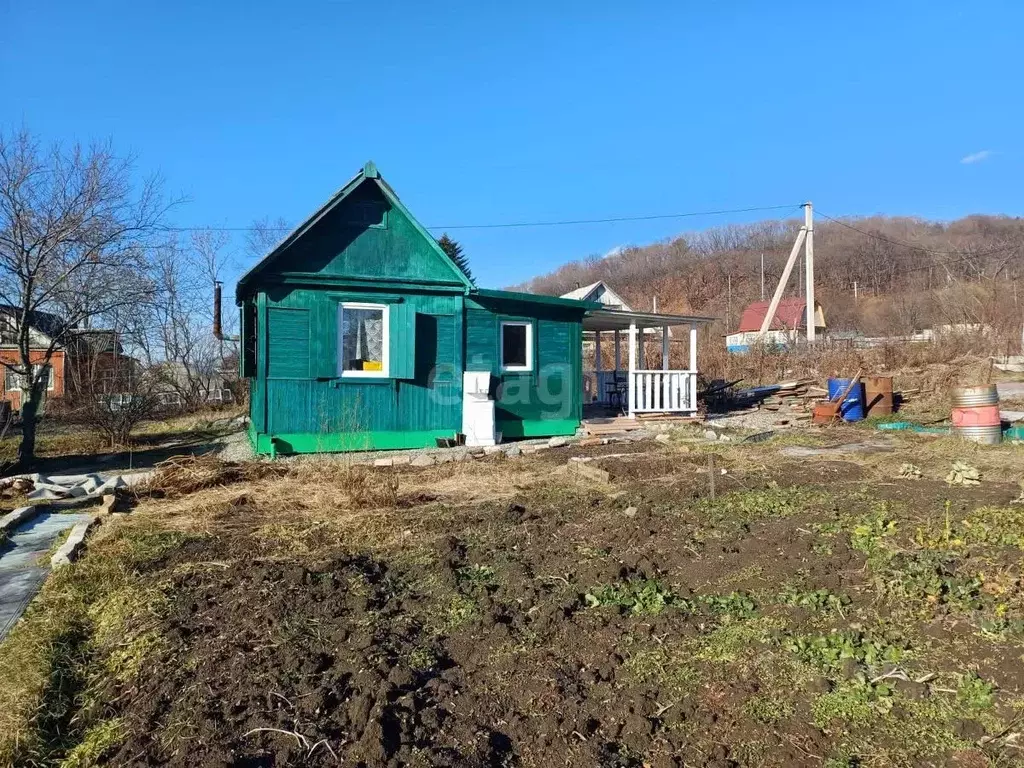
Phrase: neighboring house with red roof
(789, 324)
(76, 354)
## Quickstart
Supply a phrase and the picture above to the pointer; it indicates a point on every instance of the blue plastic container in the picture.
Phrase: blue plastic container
(852, 407)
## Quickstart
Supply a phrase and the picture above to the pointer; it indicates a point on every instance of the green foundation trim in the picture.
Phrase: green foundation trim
(335, 442)
(537, 428)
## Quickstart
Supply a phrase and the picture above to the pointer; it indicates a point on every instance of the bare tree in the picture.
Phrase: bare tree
(112, 392)
(264, 234)
(75, 232)
(181, 340)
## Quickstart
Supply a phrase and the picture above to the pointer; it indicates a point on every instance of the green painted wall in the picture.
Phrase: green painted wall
(365, 249)
(547, 400)
(364, 237)
(300, 389)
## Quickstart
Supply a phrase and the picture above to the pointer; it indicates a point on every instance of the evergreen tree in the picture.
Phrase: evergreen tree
(454, 251)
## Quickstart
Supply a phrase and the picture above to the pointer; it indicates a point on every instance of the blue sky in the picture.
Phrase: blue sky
(481, 112)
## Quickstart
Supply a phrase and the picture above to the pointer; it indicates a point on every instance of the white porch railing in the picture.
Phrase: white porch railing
(663, 392)
(645, 391)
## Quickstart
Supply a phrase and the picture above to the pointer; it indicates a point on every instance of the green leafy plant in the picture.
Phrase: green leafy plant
(857, 703)
(745, 506)
(817, 600)
(946, 538)
(932, 577)
(738, 605)
(975, 692)
(868, 535)
(1002, 526)
(640, 596)
(476, 575)
(830, 651)
(769, 710)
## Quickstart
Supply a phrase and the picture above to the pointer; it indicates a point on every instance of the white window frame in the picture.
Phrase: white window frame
(20, 381)
(529, 345)
(385, 367)
(51, 381)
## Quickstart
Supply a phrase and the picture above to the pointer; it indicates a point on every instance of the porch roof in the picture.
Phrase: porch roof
(621, 320)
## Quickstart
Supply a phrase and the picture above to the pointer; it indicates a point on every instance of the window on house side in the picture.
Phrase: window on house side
(516, 346)
(13, 382)
(363, 338)
(48, 376)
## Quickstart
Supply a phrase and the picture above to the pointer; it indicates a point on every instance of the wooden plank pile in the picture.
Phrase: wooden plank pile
(794, 398)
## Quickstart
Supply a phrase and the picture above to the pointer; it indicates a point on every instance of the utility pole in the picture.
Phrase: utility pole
(762, 275)
(783, 281)
(728, 311)
(800, 277)
(809, 272)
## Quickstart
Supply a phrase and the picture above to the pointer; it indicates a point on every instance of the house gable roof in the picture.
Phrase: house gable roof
(368, 174)
(46, 324)
(598, 292)
(789, 315)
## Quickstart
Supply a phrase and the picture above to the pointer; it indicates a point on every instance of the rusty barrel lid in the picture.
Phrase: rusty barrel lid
(878, 383)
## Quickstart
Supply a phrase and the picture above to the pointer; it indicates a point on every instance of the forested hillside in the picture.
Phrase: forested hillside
(909, 273)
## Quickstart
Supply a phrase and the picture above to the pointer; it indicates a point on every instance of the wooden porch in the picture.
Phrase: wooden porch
(634, 390)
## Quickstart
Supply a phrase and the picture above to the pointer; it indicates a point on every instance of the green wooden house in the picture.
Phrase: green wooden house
(357, 330)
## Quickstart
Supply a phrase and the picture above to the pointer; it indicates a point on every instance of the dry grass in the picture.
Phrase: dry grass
(302, 506)
(183, 475)
(933, 369)
(200, 421)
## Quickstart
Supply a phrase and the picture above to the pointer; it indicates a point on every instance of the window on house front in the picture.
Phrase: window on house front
(363, 339)
(516, 346)
(14, 382)
(8, 331)
(47, 374)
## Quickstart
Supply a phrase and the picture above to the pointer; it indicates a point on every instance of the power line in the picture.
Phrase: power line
(903, 244)
(521, 224)
(616, 219)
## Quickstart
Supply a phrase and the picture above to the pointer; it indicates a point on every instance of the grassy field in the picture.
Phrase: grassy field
(57, 441)
(839, 610)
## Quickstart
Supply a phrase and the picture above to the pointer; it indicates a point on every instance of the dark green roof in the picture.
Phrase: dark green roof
(370, 173)
(535, 298)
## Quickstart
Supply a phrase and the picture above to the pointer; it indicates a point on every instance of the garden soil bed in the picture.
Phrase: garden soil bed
(642, 624)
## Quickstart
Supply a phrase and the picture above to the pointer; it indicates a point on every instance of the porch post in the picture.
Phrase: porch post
(632, 368)
(618, 354)
(599, 392)
(693, 368)
(664, 347)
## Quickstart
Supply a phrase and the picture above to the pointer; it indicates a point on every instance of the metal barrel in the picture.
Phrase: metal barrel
(878, 395)
(988, 435)
(969, 397)
(852, 407)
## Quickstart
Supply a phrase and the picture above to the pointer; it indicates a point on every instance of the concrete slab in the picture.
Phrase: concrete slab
(801, 451)
(24, 562)
(1010, 389)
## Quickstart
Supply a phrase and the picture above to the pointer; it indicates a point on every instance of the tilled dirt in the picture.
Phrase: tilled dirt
(480, 644)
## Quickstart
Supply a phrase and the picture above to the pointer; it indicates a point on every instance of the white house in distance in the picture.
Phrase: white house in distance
(632, 388)
(789, 324)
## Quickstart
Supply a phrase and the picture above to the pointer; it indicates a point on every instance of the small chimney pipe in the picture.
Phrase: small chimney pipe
(217, 331)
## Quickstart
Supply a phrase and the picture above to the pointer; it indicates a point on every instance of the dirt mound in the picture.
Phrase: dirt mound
(295, 664)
